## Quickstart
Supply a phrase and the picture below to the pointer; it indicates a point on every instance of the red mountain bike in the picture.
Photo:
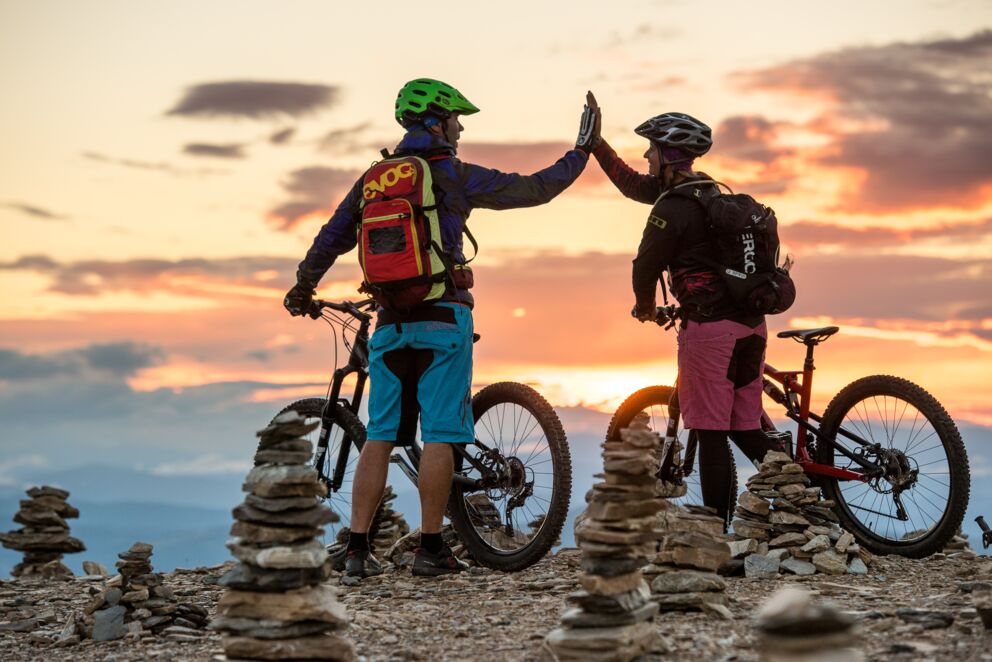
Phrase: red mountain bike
(884, 450)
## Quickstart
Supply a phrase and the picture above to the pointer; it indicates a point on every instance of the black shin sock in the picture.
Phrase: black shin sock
(358, 542)
(714, 471)
(754, 443)
(432, 542)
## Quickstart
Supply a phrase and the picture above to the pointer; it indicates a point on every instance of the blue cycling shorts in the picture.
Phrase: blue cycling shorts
(422, 368)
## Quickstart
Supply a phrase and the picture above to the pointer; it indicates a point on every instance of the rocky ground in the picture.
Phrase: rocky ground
(907, 610)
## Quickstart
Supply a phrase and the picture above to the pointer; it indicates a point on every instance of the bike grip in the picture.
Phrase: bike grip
(981, 523)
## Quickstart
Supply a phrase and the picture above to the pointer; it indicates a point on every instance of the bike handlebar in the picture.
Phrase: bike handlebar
(350, 307)
(667, 316)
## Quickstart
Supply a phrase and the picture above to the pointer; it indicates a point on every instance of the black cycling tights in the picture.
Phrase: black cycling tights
(714, 470)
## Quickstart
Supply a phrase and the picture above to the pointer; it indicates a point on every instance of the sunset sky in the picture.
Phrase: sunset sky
(166, 165)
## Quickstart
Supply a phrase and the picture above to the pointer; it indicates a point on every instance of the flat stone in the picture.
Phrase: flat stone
(305, 555)
(268, 629)
(108, 624)
(777, 458)
(788, 540)
(94, 569)
(24, 541)
(817, 544)
(857, 567)
(139, 551)
(795, 613)
(644, 464)
(280, 457)
(822, 512)
(329, 646)
(40, 518)
(687, 581)
(782, 517)
(579, 618)
(751, 529)
(47, 491)
(780, 554)
(689, 601)
(619, 510)
(694, 550)
(281, 475)
(623, 642)
(611, 585)
(740, 548)
(757, 566)
(830, 562)
(843, 542)
(753, 503)
(317, 603)
(619, 602)
(929, 619)
(798, 567)
(135, 596)
(311, 517)
(259, 533)
(279, 505)
(52, 503)
(610, 566)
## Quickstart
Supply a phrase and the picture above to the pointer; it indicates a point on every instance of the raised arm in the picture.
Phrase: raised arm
(634, 185)
(491, 189)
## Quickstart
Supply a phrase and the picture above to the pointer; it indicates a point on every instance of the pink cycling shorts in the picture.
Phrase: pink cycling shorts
(720, 366)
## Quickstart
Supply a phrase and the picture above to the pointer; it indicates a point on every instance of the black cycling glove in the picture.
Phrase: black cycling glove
(589, 127)
(299, 299)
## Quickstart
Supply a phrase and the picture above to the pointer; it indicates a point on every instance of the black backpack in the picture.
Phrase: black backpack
(744, 250)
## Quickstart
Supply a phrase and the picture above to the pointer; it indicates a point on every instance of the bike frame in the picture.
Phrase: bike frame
(795, 398)
(358, 364)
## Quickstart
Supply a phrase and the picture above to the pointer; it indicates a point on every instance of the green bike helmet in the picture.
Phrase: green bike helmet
(428, 97)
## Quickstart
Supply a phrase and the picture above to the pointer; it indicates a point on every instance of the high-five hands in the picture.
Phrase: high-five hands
(589, 125)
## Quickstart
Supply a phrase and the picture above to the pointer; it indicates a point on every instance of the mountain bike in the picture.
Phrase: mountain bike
(512, 485)
(884, 450)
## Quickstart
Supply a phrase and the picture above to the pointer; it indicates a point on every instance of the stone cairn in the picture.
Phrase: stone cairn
(137, 603)
(44, 538)
(276, 605)
(783, 525)
(794, 627)
(684, 570)
(392, 526)
(611, 617)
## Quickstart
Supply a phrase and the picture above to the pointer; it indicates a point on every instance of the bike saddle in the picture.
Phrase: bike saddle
(810, 336)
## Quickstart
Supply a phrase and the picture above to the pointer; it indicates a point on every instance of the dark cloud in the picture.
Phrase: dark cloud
(312, 190)
(117, 360)
(282, 136)
(345, 140)
(227, 151)
(915, 117)
(749, 138)
(190, 276)
(254, 99)
(36, 212)
(150, 166)
(821, 236)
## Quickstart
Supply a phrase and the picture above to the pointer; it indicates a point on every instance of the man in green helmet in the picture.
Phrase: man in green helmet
(413, 373)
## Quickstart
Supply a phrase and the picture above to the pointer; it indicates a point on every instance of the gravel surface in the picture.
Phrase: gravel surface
(907, 610)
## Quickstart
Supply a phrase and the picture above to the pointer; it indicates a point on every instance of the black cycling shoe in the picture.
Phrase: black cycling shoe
(360, 563)
(426, 564)
(338, 556)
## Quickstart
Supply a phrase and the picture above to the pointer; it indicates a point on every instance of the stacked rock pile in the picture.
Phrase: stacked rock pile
(138, 603)
(44, 538)
(276, 606)
(784, 525)
(611, 617)
(684, 570)
(392, 526)
(793, 626)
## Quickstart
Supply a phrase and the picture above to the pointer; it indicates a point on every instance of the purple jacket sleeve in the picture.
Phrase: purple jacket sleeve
(634, 185)
(491, 189)
(335, 238)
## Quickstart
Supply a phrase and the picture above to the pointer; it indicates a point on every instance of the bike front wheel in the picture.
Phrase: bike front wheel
(925, 461)
(513, 523)
(653, 401)
(344, 443)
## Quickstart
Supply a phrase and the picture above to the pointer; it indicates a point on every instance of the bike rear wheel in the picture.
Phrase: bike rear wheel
(654, 401)
(347, 435)
(910, 423)
(512, 525)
